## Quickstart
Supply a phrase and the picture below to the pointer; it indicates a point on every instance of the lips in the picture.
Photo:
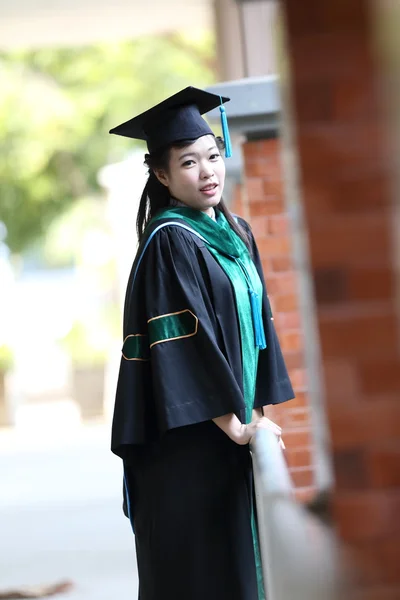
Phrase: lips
(208, 188)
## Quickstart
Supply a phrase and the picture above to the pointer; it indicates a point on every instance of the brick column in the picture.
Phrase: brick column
(347, 181)
(261, 201)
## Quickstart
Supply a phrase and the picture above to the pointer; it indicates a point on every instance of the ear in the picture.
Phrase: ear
(162, 176)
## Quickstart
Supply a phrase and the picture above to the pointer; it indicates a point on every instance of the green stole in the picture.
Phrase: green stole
(226, 246)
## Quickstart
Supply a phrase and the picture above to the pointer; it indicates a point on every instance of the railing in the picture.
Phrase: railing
(299, 554)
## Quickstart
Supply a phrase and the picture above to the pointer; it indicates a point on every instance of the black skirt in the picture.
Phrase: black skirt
(190, 502)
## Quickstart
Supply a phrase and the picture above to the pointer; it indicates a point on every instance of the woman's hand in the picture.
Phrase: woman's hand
(242, 434)
(247, 432)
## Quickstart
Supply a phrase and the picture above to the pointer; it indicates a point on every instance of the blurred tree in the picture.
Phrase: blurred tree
(57, 106)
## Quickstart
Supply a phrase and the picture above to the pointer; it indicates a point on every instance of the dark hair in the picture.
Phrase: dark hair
(155, 195)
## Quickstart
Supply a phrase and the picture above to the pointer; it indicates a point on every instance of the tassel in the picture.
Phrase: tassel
(225, 131)
(257, 320)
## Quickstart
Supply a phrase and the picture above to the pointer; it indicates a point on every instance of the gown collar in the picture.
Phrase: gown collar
(218, 232)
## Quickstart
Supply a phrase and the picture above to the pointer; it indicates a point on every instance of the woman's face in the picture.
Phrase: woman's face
(196, 174)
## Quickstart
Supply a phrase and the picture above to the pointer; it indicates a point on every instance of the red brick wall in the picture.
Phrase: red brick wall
(346, 178)
(261, 201)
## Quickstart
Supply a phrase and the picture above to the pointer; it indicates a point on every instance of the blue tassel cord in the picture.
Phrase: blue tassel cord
(257, 320)
(256, 311)
(225, 131)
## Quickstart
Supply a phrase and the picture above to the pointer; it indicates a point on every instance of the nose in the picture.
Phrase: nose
(206, 171)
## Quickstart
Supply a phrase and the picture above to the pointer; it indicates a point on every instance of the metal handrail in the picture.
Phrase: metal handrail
(298, 552)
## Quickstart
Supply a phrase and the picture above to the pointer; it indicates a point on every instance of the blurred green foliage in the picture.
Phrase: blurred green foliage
(56, 107)
(83, 346)
(63, 244)
(6, 358)
(89, 340)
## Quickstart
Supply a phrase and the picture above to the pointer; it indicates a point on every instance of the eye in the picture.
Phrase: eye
(188, 163)
(215, 156)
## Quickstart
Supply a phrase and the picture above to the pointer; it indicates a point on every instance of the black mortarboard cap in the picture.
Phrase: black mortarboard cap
(175, 119)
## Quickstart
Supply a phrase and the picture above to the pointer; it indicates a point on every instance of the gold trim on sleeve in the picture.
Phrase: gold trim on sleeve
(180, 337)
(134, 335)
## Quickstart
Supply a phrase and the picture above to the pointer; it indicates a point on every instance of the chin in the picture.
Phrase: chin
(213, 202)
(204, 203)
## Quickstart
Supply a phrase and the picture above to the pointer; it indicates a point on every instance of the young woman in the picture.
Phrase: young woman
(199, 361)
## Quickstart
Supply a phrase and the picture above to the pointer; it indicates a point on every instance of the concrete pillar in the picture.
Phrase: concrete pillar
(259, 30)
(245, 33)
(229, 36)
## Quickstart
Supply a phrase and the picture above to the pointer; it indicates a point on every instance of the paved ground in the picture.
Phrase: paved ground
(60, 511)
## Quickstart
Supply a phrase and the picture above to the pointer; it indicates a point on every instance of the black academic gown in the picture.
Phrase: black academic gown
(190, 486)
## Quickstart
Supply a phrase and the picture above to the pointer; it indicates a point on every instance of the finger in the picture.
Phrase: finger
(282, 444)
(273, 424)
(274, 430)
(266, 425)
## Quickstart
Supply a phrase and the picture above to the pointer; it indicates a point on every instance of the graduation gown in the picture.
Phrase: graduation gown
(190, 486)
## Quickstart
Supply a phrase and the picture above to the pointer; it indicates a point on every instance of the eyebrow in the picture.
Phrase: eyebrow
(195, 153)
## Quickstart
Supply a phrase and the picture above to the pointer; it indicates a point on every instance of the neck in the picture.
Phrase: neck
(177, 203)
(210, 212)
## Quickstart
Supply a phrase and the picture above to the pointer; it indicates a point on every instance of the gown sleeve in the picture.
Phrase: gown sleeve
(185, 377)
(273, 384)
(192, 380)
